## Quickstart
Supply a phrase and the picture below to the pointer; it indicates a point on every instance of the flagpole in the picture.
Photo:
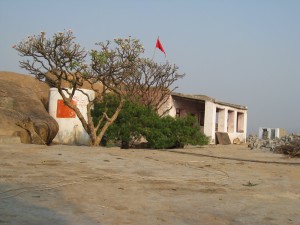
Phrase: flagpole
(153, 53)
(154, 50)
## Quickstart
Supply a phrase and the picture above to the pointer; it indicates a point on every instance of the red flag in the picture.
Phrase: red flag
(159, 46)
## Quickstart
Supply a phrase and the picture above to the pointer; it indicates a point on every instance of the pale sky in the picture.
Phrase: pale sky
(244, 52)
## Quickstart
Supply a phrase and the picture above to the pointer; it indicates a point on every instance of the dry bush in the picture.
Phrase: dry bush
(292, 149)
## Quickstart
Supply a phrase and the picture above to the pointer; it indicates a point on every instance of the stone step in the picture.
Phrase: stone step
(9, 139)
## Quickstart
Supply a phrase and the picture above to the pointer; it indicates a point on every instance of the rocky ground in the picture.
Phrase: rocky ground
(210, 185)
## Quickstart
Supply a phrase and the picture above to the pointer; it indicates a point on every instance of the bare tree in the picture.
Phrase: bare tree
(117, 65)
(153, 84)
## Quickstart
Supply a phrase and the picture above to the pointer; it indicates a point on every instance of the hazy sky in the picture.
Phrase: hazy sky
(244, 52)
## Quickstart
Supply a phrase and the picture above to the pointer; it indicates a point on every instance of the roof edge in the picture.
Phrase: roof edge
(207, 98)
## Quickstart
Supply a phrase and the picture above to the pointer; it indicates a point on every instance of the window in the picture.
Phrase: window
(230, 121)
(240, 122)
(217, 120)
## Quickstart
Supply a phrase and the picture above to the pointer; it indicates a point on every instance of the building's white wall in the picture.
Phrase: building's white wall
(71, 130)
(245, 124)
(170, 104)
(279, 132)
(168, 107)
(210, 120)
(234, 120)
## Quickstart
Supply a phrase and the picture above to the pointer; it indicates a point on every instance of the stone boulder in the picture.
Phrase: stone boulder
(23, 109)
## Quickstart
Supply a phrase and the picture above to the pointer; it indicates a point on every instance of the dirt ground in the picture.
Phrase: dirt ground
(46, 185)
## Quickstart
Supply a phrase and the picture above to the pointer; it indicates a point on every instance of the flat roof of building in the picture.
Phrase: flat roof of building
(207, 98)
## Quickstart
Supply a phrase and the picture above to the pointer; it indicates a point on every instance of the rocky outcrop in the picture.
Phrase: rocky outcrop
(288, 145)
(23, 109)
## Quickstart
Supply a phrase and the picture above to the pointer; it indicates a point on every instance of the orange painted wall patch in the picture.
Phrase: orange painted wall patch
(63, 111)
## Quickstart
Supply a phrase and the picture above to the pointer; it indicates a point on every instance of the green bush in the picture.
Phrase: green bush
(128, 127)
(170, 132)
(131, 122)
(136, 121)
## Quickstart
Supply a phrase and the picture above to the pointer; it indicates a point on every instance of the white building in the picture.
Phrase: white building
(270, 133)
(213, 116)
(71, 130)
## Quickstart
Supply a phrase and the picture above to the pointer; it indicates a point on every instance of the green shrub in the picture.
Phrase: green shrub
(129, 124)
(170, 132)
(136, 121)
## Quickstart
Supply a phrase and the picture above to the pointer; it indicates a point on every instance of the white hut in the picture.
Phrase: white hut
(71, 130)
(271, 133)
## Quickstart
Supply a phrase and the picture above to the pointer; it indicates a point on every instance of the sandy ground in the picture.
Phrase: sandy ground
(61, 185)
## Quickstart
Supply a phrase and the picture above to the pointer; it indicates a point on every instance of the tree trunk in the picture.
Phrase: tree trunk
(95, 142)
